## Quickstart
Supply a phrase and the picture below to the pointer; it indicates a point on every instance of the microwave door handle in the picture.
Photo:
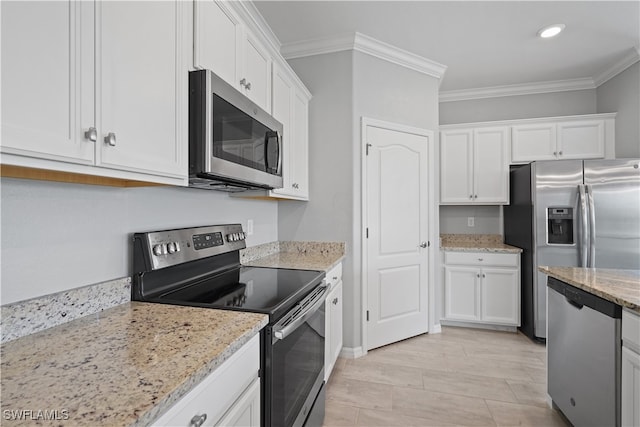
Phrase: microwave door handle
(267, 141)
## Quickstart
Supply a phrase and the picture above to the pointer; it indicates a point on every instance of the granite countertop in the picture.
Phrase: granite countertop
(321, 256)
(619, 286)
(476, 243)
(123, 366)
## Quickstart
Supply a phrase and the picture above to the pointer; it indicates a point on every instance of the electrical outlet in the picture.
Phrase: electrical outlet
(249, 227)
(471, 222)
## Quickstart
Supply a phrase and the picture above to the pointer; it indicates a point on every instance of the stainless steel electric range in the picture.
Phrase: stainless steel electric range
(201, 267)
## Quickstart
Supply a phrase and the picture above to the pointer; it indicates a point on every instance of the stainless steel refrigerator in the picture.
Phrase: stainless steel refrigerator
(571, 213)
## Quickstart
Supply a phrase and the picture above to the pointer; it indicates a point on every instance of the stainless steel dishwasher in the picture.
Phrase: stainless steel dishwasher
(584, 348)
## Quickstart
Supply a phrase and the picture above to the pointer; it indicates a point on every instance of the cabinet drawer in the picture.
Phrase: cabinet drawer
(334, 275)
(481, 259)
(631, 329)
(217, 392)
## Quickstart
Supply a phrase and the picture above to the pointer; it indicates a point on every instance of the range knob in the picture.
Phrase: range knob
(172, 247)
(229, 237)
(158, 249)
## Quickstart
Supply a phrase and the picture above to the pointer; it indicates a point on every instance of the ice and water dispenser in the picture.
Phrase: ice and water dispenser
(560, 226)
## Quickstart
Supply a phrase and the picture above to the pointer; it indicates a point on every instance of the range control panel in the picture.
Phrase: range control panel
(171, 247)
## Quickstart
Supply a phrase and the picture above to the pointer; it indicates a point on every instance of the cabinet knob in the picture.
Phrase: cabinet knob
(91, 134)
(478, 275)
(471, 196)
(335, 301)
(197, 420)
(110, 139)
(295, 185)
(423, 244)
(560, 153)
(483, 276)
(475, 196)
(480, 259)
(246, 84)
(555, 153)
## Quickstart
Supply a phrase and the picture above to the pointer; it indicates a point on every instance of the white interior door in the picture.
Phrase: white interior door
(396, 218)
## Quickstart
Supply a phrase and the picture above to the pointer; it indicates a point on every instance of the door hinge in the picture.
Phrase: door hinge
(367, 315)
(367, 146)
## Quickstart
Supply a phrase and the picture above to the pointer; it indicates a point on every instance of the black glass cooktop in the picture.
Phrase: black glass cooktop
(255, 289)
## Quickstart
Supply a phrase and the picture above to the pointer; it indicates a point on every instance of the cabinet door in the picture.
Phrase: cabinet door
(581, 140)
(282, 110)
(142, 87)
(256, 71)
(299, 157)
(630, 387)
(217, 40)
(245, 411)
(533, 142)
(500, 295)
(333, 329)
(48, 79)
(491, 165)
(456, 166)
(461, 293)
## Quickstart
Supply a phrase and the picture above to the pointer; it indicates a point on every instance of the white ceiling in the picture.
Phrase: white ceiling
(484, 44)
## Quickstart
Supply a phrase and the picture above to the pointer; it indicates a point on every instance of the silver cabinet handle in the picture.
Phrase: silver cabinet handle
(197, 420)
(480, 259)
(91, 134)
(246, 84)
(335, 301)
(335, 277)
(110, 139)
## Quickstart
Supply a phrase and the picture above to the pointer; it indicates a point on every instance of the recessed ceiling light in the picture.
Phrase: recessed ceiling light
(550, 31)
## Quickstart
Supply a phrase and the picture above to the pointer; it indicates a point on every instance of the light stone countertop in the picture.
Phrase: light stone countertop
(123, 366)
(618, 286)
(322, 256)
(476, 243)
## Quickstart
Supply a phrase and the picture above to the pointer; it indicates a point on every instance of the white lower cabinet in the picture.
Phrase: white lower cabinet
(482, 288)
(229, 396)
(333, 320)
(630, 369)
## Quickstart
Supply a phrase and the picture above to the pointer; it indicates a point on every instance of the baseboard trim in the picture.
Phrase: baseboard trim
(351, 352)
(436, 329)
(479, 326)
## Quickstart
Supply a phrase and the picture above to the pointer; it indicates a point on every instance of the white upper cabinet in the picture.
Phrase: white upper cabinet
(256, 73)
(127, 114)
(290, 107)
(142, 87)
(563, 139)
(225, 46)
(218, 40)
(48, 80)
(474, 166)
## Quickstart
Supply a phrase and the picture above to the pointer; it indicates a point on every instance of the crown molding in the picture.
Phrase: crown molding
(365, 44)
(515, 90)
(631, 58)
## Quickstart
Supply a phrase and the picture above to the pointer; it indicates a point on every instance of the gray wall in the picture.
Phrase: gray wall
(519, 107)
(487, 219)
(58, 236)
(347, 86)
(621, 94)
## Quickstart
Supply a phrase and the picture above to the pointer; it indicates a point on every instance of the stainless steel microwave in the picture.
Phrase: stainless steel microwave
(234, 145)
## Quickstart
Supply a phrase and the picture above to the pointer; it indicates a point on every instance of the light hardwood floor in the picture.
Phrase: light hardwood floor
(462, 377)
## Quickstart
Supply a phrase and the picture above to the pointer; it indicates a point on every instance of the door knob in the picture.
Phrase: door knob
(424, 244)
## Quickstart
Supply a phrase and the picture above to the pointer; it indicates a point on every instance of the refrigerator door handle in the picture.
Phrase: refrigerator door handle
(583, 231)
(592, 227)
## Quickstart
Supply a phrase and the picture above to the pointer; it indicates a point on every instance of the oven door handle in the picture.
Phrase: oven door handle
(282, 333)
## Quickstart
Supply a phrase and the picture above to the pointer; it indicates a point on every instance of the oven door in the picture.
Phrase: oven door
(295, 363)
